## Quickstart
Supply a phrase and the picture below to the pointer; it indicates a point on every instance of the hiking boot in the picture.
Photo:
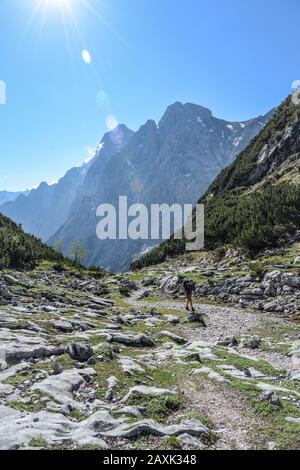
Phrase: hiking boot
(193, 310)
(187, 308)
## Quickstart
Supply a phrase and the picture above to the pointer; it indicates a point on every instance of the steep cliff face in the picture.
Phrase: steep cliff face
(170, 162)
(274, 149)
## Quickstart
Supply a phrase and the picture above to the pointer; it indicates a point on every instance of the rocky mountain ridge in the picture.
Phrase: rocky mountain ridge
(172, 161)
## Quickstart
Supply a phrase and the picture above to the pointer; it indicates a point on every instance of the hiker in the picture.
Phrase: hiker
(189, 288)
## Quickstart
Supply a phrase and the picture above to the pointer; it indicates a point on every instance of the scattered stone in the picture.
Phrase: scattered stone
(155, 313)
(137, 340)
(291, 419)
(144, 294)
(130, 365)
(202, 348)
(64, 326)
(131, 285)
(196, 317)
(79, 351)
(271, 398)
(57, 368)
(190, 441)
(173, 319)
(229, 341)
(251, 343)
(91, 361)
(176, 338)
(10, 280)
(149, 281)
(210, 373)
(112, 383)
(148, 391)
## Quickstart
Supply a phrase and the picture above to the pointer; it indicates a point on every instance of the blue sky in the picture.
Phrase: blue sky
(237, 57)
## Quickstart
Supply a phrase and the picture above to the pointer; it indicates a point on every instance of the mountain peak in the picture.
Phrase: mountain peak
(117, 134)
(178, 111)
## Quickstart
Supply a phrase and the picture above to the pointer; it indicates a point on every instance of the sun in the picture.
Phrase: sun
(59, 2)
(67, 14)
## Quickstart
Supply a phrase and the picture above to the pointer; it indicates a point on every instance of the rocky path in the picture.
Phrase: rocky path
(228, 410)
(88, 362)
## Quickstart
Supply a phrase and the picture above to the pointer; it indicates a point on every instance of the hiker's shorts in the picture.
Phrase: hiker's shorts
(188, 295)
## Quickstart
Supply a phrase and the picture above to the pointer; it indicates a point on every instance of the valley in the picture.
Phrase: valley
(149, 232)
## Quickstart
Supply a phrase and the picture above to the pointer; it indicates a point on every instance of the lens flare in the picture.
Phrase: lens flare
(86, 57)
(111, 122)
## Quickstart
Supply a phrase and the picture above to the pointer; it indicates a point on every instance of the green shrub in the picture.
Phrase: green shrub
(257, 269)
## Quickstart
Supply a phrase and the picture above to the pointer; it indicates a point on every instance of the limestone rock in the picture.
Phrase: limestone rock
(147, 391)
(137, 340)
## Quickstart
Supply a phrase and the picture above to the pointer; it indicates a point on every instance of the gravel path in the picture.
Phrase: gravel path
(225, 322)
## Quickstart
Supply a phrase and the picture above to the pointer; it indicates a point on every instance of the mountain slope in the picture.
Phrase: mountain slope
(165, 163)
(46, 208)
(19, 250)
(255, 202)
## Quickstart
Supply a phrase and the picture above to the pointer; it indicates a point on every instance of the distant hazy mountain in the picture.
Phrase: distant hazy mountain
(6, 196)
(46, 208)
(171, 162)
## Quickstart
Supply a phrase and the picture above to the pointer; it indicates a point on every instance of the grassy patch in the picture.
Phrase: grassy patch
(78, 415)
(121, 303)
(32, 407)
(38, 442)
(157, 408)
(173, 442)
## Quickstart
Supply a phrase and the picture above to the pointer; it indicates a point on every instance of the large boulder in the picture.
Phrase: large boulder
(273, 276)
(169, 283)
(270, 290)
(63, 325)
(291, 281)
